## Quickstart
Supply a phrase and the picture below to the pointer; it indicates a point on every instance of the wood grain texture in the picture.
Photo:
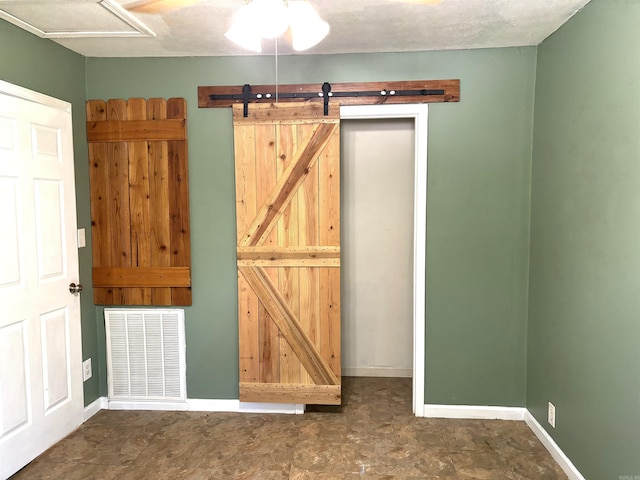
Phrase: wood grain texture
(179, 220)
(451, 93)
(329, 235)
(282, 267)
(141, 130)
(120, 219)
(248, 307)
(141, 277)
(307, 256)
(139, 207)
(159, 200)
(284, 191)
(289, 326)
(291, 367)
(139, 198)
(290, 393)
(308, 288)
(266, 179)
(310, 114)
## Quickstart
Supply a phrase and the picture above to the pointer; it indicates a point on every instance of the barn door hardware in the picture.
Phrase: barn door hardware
(367, 93)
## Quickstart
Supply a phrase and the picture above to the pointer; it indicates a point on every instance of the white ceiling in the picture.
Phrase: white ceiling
(101, 28)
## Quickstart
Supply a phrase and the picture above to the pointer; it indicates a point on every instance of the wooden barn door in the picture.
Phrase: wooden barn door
(288, 219)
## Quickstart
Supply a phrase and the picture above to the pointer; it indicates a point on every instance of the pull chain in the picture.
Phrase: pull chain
(276, 46)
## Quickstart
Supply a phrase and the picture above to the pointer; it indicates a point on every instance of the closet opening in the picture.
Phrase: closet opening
(383, 222)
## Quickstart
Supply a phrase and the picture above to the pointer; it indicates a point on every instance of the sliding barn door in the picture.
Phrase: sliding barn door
(288, 219)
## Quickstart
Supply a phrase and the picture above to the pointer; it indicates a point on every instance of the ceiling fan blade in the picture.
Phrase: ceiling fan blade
(158, 6)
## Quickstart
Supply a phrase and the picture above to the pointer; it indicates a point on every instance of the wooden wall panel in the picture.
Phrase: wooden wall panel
(139, 201)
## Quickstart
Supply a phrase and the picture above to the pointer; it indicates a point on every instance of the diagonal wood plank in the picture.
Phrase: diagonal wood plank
(285, 189)
(289, 326)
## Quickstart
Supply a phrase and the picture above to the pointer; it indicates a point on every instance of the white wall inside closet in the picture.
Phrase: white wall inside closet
(377, 175)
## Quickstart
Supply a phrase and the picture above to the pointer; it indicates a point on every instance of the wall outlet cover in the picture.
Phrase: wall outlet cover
(551, 415)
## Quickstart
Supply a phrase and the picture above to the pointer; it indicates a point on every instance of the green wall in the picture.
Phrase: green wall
(478, 207)
(584, 329)
(46, 67)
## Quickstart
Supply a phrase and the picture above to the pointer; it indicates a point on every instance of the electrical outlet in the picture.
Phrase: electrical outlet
(86, 369)
(551, 415)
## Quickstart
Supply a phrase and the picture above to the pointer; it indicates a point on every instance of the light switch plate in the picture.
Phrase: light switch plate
(82, 241)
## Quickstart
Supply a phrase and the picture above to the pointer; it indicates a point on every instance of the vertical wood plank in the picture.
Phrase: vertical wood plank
(290, 367)
(180, 230)
(329, 235)
(308, 236)
(266, 178)
(139, 202)
(246, 208)
(120, 219)
(99, 180)
(160, 241)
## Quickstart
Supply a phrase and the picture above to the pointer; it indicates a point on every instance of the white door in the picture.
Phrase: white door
(41, 397)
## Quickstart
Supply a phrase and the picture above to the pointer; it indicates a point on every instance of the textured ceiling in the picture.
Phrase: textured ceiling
(357, 26)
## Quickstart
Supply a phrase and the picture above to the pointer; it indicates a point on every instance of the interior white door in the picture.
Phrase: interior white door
(41, 397)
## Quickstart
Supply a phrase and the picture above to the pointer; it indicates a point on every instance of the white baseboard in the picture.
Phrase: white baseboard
(555, 451)
(94, 407)
(192, 405)
(147, 405)
(377, 372)
(507, 413)
(474, 412)
(196, 405)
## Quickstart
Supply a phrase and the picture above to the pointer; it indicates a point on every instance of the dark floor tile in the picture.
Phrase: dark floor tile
(98, 451)
(373, 435)
(40, 470)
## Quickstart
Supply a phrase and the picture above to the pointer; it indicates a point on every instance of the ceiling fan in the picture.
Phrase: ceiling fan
(160, 6)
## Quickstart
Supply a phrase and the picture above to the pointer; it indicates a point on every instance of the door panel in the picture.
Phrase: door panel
(287, 204)
(41, 397)
(11, 272)
(54, 328)
(49, 201)
(14, 378)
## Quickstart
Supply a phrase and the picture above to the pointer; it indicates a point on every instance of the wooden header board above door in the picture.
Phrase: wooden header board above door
(139, 201)
(354, 93)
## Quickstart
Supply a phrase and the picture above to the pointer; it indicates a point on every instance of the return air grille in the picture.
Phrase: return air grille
(146, 354)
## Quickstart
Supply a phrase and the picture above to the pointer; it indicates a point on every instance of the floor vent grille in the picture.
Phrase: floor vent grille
(146, 354)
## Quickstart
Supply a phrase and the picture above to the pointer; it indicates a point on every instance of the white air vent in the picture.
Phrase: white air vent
(146, 354)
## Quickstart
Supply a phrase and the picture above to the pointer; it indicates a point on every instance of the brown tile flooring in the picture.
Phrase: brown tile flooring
(373, 435)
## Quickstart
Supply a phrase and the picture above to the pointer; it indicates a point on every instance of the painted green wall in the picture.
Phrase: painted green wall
(584, 329)
(478, 207)
(46, 67)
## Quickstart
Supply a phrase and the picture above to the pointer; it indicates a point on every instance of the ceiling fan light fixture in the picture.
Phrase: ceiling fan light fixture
(243, 31)
(307, 28)
(271, 18)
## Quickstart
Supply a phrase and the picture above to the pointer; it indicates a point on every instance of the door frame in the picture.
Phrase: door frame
(420, 114)
(36, 97)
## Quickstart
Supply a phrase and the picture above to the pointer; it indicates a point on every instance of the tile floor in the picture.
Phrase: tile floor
(373, 436)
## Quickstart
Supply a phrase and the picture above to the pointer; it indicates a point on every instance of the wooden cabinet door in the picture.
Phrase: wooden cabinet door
(287, 159)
